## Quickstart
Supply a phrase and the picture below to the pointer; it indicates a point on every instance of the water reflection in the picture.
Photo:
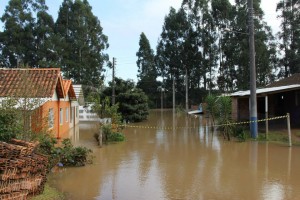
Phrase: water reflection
(182, 158)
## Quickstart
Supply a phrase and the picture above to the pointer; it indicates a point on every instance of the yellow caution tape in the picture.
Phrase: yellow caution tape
(171, 128)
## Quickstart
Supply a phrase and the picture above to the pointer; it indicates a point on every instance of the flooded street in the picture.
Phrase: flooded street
(189, 162)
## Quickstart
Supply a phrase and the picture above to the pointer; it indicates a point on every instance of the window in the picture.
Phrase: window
(51, 118)
(67, 114)
(60, 116)
(71, 114)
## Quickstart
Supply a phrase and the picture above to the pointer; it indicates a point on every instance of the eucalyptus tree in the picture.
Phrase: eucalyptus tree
(147, 72)
(170, 50)
(177, 54)
(221, 11)
(81, 43)
(45, 40)
(235, 48)
(289, 36)
(17, 39)
(205, 26)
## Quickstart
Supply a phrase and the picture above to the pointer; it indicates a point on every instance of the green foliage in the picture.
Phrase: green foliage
(219, 108)
(49, 193)
(239, 133)
(82, 43)
(132, 102)
(133, 105)
(147, 72)
(116, 137)
(75, 42)
(8, 125)
(66, 154)
(274, 136)
(110, 134)
(73, 156)
(289, 36)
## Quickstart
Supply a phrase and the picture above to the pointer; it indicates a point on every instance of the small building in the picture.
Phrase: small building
(43, 93)
(276, 99)
(79, 94)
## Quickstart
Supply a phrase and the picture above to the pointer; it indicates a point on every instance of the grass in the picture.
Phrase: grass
(280, 136)
(297, 133)
(49, 193)
(275, 136)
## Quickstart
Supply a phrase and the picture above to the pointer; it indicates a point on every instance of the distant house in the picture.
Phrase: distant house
(45, 92)
(276, 99)
(79, 94)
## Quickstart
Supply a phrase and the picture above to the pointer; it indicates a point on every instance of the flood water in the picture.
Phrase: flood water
(189, 162)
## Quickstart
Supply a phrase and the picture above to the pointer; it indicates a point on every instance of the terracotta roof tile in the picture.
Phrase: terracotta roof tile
(28, 82)
(68, 88)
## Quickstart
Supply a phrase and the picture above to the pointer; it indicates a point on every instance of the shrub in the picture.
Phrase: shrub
(73, 156)
(110, 134)
(67, 154)
(116, 137)
(8, 125)
(240, 133)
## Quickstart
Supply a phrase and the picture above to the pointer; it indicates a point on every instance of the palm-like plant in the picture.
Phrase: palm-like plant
(219, 109)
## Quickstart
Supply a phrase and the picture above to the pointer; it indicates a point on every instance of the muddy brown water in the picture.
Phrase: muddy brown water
(189, 162)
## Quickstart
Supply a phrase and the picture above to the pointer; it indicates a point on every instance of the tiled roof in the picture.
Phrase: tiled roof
(292, 80)
(68, 88)
(33, 83)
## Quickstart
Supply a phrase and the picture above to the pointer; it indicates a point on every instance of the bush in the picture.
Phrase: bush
(67, 154)
(110, 134)
(240, 133)
(47, 147)
(8, 125)
(73, 156)
(116, 137)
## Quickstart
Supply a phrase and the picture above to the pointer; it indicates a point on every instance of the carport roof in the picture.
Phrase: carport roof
(267, 90)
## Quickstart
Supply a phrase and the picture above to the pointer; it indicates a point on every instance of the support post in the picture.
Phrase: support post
(100, 138)
(289, 129)
(267, 116)
(113, 101)
(173, 88)
(186, 91)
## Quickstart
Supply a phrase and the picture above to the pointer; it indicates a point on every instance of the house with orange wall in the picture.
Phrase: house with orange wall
(45, 94)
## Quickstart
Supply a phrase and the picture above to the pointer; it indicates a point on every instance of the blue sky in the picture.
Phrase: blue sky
(124, 20)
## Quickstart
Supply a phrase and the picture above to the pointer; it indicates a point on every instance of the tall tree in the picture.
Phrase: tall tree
(17, 41)
(45, 40)
(147, 72)
(82, 43)
(289, 36)
(170, 51)
(204, 25)
(235, 47)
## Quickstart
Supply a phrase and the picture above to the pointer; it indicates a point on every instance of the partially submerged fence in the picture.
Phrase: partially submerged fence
(261, 121)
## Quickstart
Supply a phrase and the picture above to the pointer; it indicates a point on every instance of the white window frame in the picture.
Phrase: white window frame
(71, 114)
(61, 111)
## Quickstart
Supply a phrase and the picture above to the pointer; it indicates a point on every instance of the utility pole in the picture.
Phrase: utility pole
(186, 91)
(253, 103)
(173, 88)
(113, 81)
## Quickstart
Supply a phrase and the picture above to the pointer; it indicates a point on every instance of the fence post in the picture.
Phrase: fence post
(289, 129)
(267, 117)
